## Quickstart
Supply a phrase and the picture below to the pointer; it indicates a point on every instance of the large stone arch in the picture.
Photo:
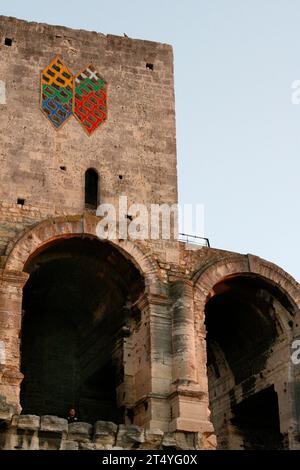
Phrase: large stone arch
(209, 274)
(14, 276)
(232, 266)
(19, 251)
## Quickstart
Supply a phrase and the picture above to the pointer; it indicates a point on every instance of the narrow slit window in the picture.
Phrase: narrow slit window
(91, 189)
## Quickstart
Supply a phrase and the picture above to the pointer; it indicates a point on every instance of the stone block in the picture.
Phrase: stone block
(209, 441)
(169, 440)
(69, 445)
(80, 432)
(54, 424)
(105, 433)
(28, 422)
(153, 439)
(186, 440)
(130, 436)
(87, 446)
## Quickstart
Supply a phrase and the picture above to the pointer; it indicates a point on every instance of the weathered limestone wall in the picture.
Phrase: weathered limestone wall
(136, 142)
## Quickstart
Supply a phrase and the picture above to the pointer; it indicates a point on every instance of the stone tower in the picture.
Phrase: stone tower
(156, 343)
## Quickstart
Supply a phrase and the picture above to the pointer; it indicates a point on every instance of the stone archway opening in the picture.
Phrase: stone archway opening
(247, 350)
(79, 305)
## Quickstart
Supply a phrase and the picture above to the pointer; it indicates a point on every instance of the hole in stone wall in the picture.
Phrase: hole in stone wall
(91, 189)
(8, 42)
(20, 201)
(63, 168)
(120, 177)
(149, 66)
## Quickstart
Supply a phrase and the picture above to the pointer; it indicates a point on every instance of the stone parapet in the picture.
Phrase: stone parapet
(31, 432)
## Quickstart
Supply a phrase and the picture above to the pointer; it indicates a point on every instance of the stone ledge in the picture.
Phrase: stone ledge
(53, 424)
(51, 432)
(28, 422)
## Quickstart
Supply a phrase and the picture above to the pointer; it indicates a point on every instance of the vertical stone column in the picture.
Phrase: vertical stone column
(11, 289)
(151, 360)
(161, 357)
(183, 336)
(189, 398)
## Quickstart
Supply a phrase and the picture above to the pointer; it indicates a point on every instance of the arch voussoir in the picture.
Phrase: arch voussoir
(66, 227)
(209, 275)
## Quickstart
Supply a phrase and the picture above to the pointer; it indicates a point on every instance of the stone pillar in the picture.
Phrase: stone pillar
(183, 336)
(161, 358)
(150, 361)
(189, 398)
(11, 289)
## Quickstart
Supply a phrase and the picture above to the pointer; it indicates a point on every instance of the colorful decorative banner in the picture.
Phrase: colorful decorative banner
(89, 101)
(57, 92)
(84, 95)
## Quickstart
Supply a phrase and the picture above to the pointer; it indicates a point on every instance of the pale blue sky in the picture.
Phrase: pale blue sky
(238, 134)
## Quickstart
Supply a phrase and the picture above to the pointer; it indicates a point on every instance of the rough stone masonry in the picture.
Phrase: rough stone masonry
(155, 343)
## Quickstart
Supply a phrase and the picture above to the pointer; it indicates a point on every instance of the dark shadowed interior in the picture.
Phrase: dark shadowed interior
(91, 189)
(242, 331)
(76, 304)
(258, 418)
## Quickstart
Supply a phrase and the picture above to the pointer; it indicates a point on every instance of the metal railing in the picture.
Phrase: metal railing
(194, 239)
